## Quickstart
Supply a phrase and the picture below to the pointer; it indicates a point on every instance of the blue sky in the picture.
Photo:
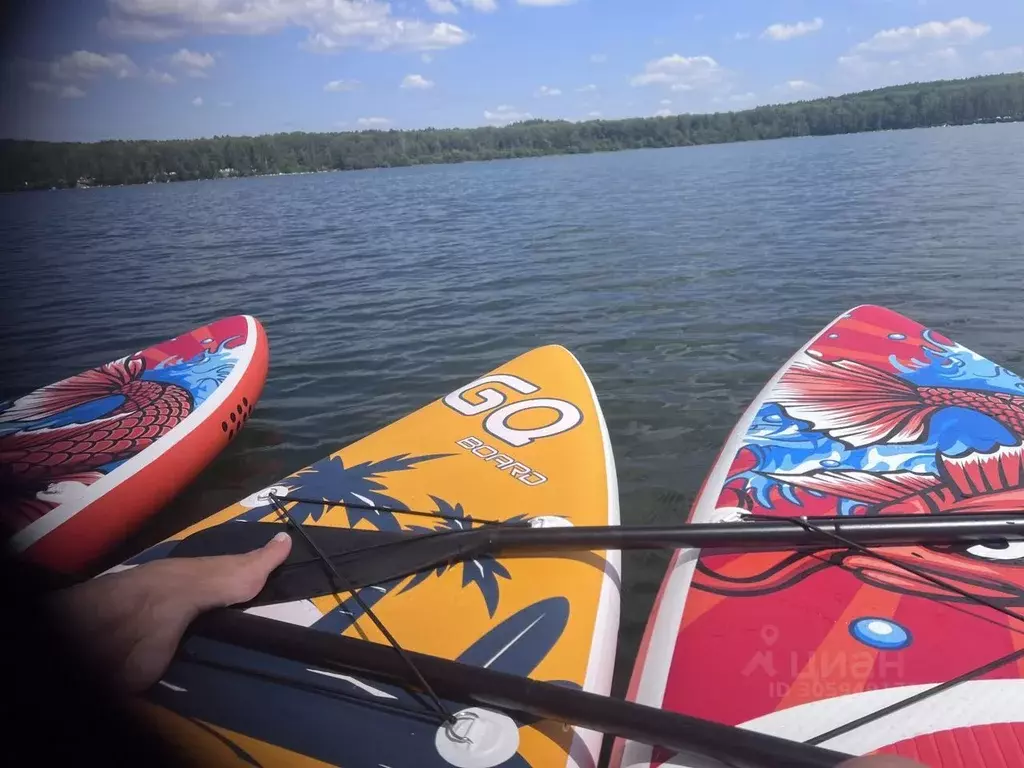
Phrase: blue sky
(95, 69)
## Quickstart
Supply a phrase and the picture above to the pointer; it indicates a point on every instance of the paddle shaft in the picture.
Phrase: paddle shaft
(903, 530)
(497, 690)
(365, 558)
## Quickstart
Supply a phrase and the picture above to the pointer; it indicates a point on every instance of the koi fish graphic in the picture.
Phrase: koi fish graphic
(980, 569)
(976, 483)
(32, 459)
(861, 405)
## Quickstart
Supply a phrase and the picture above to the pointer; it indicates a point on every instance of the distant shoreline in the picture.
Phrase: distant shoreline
(34, 165)
(495, 159)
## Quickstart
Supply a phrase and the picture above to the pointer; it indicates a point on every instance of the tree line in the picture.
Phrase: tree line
(43, 165)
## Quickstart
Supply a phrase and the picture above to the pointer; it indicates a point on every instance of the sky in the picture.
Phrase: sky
(85, 70)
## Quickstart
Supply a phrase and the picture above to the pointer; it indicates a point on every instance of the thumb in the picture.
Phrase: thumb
(241, 577)
(265, 559)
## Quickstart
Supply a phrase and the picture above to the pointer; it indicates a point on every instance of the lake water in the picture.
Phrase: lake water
(681, 278)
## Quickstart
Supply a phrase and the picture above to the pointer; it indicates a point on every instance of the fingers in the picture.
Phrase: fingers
(134, 619)
(203, 583)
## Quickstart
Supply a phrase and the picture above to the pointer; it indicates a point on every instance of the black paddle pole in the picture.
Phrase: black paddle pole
(765, 535)
(482, 687)
(365, 558)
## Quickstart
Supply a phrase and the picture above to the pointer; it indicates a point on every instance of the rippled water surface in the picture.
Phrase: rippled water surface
(681, 278)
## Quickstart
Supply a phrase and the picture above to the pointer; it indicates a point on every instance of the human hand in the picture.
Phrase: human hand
(132, 621)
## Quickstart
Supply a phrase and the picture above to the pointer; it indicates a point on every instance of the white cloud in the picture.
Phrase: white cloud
(598, 58)
(139, 29)
(340, 86)
(956, 32)
(666, 102)
(374, 122)
(59, 77)
(545, 2)
(789, 31)
(929, 51)
(504, 114)
(192, 63)
(741, 36)
(1004, 59)
(681, 73)
(853, 62)
(589, 88)
(864, 70)
(663, 113)
(547, 91)
(197, 101)
(426, 58)
(157, 76)
(153, 18)
(800, 86)
(412, 34)
(332, 25)
(940, 63)
(449, 6)
(84, 65)
(595, 113)
(60, 91)
(735, 100)
(416, 82)
(947, 55)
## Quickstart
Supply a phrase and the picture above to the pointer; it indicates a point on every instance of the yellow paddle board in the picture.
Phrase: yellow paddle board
(527, 441)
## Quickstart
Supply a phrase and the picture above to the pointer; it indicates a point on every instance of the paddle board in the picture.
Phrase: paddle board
(526, 442)
(877, 415)
(86, 459)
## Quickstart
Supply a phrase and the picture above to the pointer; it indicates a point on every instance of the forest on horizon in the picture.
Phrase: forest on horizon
(27, 165)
